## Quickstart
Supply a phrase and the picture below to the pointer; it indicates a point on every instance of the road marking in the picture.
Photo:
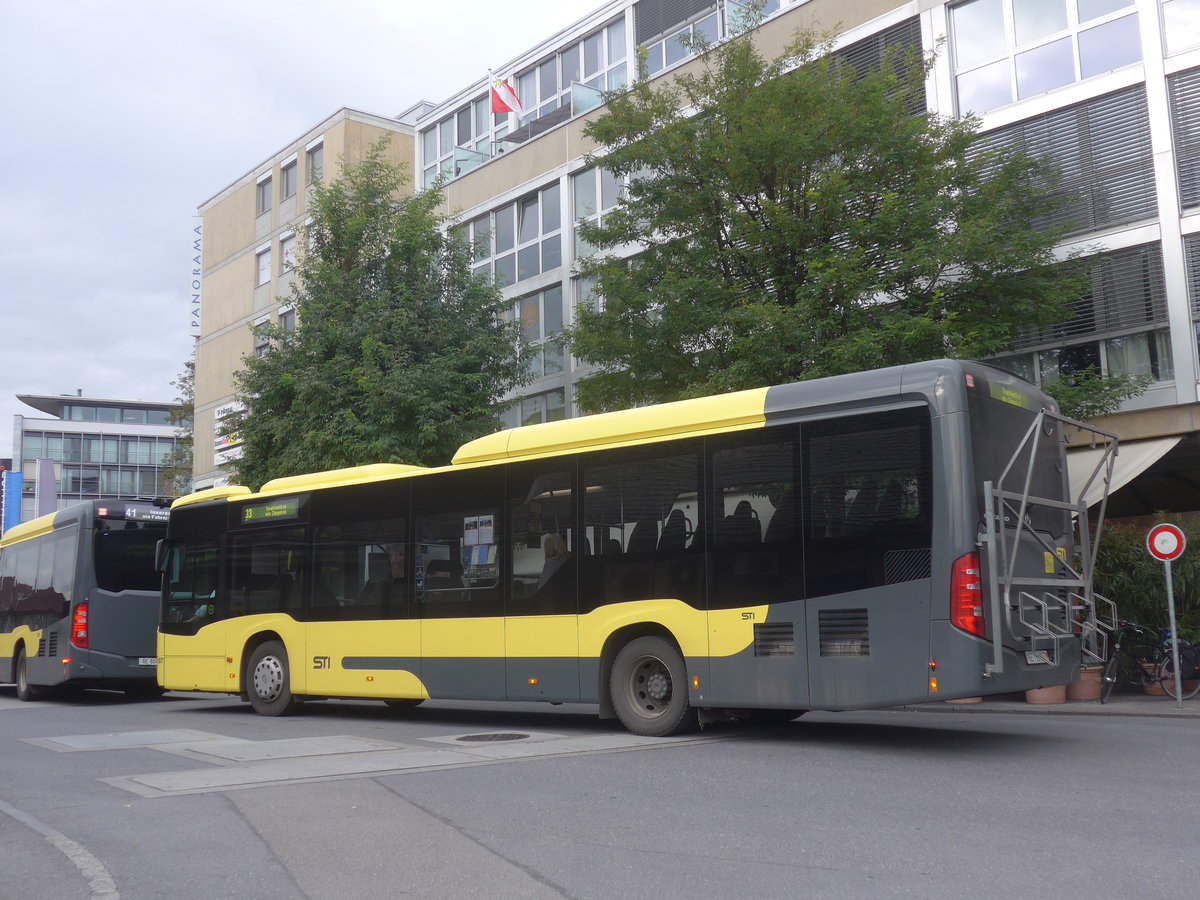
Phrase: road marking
(233, 764)
(99, 881)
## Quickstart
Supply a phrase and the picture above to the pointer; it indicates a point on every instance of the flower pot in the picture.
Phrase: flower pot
(1088, 685)
(1150, 686)
(1047, 696)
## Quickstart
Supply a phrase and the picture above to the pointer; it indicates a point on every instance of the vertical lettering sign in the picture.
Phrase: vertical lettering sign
(197, 267)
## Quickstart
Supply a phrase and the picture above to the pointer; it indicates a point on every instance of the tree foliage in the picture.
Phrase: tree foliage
(176, 474)
(399, 353)
(792, 218)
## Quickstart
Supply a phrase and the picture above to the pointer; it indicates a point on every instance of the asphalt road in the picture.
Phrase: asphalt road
(194, 796)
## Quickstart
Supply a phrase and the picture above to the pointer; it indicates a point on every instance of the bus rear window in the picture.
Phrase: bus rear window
(125, 560)
(998, 424)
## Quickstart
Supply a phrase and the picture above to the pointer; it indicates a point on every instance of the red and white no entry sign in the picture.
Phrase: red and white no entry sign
(1166, 542)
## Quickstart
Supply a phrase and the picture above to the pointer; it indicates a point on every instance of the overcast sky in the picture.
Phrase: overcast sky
(119, 118)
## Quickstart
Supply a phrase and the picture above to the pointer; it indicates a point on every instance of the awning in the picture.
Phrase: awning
(1133, 458)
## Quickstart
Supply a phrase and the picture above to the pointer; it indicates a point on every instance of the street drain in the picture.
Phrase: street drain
(498, 736)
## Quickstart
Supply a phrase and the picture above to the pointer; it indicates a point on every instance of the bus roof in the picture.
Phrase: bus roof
(699, 416)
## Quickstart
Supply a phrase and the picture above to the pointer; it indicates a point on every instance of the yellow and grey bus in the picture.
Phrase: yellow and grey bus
(880, 538)
(79, 599)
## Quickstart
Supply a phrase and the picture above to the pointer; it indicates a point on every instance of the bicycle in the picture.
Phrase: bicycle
(1134, 659)
(1189, 667)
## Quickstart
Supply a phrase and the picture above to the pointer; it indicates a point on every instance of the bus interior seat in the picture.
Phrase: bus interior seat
(644, 538)
(742, 527)
(674, 533)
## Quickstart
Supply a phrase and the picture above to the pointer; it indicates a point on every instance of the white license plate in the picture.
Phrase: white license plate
(147, 660)
(1037, 657)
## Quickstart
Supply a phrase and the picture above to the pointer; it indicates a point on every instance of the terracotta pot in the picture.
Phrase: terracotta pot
(1047, 696)
(1088, 685)
(1152, 688)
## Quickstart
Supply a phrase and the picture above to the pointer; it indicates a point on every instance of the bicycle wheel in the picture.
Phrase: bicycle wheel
(1108, 680)
(1166, 677)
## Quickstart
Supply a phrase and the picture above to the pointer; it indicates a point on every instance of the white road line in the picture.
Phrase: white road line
(101, 883)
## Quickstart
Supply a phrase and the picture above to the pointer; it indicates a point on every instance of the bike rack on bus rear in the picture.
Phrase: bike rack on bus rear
(1052, 610)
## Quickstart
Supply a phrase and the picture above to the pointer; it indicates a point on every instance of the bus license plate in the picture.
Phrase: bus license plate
(147, 660)
(1037, 657)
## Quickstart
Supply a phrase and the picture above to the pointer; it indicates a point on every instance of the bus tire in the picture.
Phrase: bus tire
(269, 681)
(25, 690)
(648, 686)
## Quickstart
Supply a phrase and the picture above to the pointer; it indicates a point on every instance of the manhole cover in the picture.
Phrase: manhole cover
(499, 736)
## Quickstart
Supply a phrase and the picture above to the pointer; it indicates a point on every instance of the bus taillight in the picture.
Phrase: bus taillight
(79, 626)
(966, 595)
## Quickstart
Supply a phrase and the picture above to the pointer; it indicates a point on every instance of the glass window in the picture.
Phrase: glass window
(643, 518)
(263, 195)
(541, 532)
(287, 319)
(1035, 19)
(868, 501)
(108, 414)
(1093, 9)
(978, 32)
(1044, 68)
(314, 160)
(262, 273)
(267, 570)
(287, 181)
(133, 416)
(287, 253)
(361, 571)
(1109, 46)
(1181, 24)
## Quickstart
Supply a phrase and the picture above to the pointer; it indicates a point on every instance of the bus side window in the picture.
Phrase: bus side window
(541, 529)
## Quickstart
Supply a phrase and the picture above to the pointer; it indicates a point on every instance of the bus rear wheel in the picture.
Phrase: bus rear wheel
(269, 682)
(649, 688)
(25, 690)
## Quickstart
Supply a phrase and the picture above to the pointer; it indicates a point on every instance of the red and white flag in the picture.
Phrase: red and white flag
(504, 98)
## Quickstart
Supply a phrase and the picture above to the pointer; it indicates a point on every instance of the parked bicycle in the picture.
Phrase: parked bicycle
(1189, 666)
(1135, 659)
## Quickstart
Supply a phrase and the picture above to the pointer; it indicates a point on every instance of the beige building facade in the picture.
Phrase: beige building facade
(250, 234)
(1108, 89)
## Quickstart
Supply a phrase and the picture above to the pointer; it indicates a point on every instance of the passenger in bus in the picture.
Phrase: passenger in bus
(555, 548)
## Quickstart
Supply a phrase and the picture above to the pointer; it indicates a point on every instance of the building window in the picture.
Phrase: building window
(1181, 25)
(533, 409)
(287, 319)
(263, 195)
(263, 271)
(287, 253)
(462, 141)
(1184, 91)
(261, 342)
(576, 74)
(541, 318)
(1006, 50)
(287, 180)
(314, 163)
(1123, 317)
(1101, 148)
(597, 192)
(519, 240)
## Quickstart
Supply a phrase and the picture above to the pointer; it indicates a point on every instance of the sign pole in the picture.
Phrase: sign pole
(1167, 542)
(1174, 637)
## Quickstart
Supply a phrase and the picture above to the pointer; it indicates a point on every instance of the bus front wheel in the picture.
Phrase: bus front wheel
(649, 688)
(25, 690)
(269, 683)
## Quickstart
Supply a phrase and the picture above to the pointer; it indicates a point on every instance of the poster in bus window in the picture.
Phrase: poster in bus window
(486, 530)
(470, 531)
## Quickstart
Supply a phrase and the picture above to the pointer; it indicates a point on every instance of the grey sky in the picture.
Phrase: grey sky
(119, 118)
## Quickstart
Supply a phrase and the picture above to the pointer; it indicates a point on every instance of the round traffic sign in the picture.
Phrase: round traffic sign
(1166, 542)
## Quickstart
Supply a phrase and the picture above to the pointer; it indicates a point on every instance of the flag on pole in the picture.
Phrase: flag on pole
(504, 98)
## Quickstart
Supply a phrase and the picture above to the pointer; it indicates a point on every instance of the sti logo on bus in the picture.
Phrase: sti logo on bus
(320, 662)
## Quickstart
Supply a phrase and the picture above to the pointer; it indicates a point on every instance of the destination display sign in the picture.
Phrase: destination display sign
(273, 511)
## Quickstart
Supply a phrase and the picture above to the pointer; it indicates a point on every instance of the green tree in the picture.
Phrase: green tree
(399, 353)
(792, 218)
(176, 474)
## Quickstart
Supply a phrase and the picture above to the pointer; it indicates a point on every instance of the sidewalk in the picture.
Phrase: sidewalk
(1122, 704)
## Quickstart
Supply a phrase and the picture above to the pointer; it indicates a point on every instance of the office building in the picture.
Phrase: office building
(1109, 90)
(96, 448)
